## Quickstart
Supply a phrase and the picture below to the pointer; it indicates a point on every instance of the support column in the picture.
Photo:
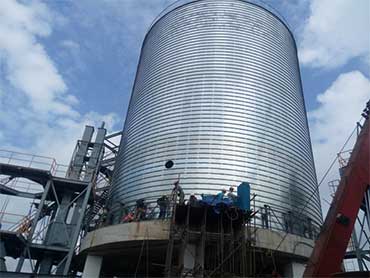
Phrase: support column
(76, 230)
(193, 260)
(33, 225)
(200, 248)
(189, 259)
(92, 267)
(2, 256)
(46, 264)
(199, 259)
(58, 232)
(294, 270)
(20, 264)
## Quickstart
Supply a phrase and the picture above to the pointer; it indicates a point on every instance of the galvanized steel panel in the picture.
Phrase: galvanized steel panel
(218, 91)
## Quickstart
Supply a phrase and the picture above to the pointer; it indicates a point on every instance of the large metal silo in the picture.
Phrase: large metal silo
(218, 91)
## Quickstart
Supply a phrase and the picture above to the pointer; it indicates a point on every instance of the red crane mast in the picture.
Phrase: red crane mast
(330, 248)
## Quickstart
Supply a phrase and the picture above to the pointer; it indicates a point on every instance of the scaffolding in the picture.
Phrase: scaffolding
(209, 241)
(70, 201)
(358, 250)
(65, 198)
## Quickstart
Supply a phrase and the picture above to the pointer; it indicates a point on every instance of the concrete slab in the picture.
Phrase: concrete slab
(122, 235)
(127, 232)
(292, 244)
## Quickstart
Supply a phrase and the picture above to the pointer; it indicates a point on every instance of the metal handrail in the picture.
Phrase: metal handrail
(26, 154)
(31, 160)
(275, 221)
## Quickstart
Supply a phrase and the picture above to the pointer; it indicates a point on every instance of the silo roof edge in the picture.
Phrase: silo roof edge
(258, 3)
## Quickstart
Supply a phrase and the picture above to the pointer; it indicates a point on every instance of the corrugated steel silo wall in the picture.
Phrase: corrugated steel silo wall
(218, 91)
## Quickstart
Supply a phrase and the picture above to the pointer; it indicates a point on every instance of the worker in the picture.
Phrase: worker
(104, 216)
(307, 228)
(265, 216)
(193, 201)
(163, 203)
(25, 226)
(231, 195)
(123, 210)
(129, 217)
(126, 214)
(179, 192)
(288, 223)
(220, 196)
(140, 210)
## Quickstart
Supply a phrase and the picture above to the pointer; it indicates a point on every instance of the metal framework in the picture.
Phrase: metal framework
(215, 242)
(49, 235)
(359, 245)
(360, 239)
(331, 246)
(358, 251)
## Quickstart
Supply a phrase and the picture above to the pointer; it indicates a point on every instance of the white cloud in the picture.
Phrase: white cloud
(38, 114)
(72, 45)
(28, 67)
(335, 32)
(334, 119)
(60, 141)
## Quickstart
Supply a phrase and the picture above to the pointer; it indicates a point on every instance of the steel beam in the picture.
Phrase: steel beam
(34, 224)
(331, 246)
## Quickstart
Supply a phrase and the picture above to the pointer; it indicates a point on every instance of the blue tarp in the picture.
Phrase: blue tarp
(244, 196)
(216, 202)
(243, 199)
(213, 200)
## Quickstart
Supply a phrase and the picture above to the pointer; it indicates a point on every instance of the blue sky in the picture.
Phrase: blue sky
(64, 64)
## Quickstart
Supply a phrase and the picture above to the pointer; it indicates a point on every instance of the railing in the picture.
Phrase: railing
(286, 221)
(12, 221)
(24, 223)
(33, 161)
(343, 158)
(270, 218)
(131, 214)
(265, 217)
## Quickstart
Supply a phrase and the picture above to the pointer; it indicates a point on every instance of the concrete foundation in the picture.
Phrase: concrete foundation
(294, 270)
(124, 247)
(2, 256)
(293, 245)
(101, 238)
(189, 259)
(92, 267)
